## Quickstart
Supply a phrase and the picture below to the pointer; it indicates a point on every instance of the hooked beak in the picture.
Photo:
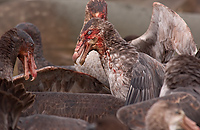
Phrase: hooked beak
(83, 47)
(29, 65)
(188, 124)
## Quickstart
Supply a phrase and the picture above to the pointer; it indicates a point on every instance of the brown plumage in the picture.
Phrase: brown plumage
(59, 79)
(34, 32)
(182, 73)
(134, 115)
(13, 100)
(89, 107)
(50, 122)
(164, 115)
(16, 43)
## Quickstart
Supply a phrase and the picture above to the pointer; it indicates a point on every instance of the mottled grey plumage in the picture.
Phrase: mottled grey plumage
(121, 62)
(92, 65)
(89, 107)
(167, 34)
(181, 87)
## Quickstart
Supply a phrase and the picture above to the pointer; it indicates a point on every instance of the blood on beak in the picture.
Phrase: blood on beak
(29, 65)
(83, 48)
(78, 50)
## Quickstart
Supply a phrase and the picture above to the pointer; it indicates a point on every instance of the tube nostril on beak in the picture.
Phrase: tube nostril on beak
(92, 41)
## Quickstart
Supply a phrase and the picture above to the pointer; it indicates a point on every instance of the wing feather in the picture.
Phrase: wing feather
(167, 33)
(59, 79)
(147, 80)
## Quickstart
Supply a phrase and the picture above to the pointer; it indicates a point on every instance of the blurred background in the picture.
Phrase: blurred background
(60, 21)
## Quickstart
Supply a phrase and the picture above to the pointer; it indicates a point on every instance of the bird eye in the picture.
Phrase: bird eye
(178, 112)
(89, 32)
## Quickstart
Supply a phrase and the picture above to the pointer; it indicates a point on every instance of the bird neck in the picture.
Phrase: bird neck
(118, 61)
(38, 52)
(36, 36)
(8, 53)
(119, 56)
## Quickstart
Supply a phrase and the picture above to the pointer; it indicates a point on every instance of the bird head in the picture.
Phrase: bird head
(25, 54)
(91, 38)
(168, 115)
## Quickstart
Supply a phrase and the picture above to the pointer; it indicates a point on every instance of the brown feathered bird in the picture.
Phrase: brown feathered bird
(55, 78)
(134, 115)
(16, 43)
(164, 115)
(35, 34)
(13, 100)
(182, 73)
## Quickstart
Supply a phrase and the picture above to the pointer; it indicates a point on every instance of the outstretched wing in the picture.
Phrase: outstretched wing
(146, 81)
(167, 33)
(59, 79)
(89, 107)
